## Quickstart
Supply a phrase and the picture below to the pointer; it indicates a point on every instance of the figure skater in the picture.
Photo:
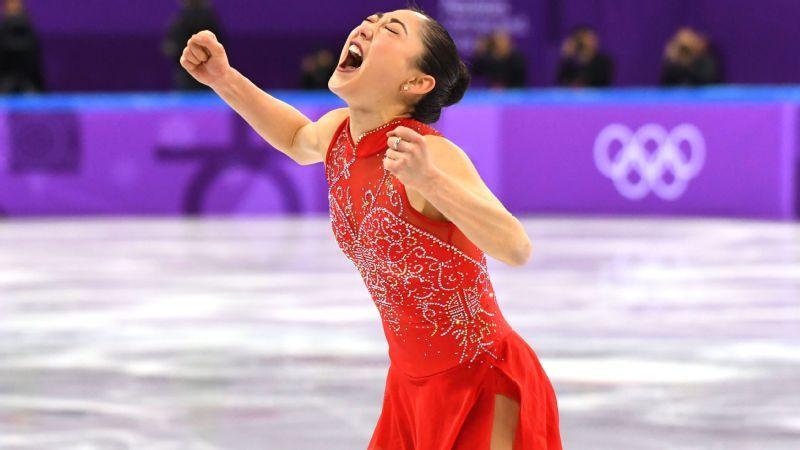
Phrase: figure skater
(409, 209)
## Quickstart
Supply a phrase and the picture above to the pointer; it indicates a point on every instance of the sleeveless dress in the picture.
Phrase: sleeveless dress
(450, 348)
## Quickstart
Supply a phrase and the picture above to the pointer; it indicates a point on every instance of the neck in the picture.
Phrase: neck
(363, 120)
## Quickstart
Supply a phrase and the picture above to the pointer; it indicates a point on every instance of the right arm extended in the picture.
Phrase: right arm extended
(279, 123)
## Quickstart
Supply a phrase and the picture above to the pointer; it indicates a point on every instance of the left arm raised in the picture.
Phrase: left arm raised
(444, 175)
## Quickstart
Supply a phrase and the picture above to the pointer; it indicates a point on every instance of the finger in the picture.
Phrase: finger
(389, 164)
(190, 56)
(391, 141)
(406, 147)
(209, 43)
(392, 165)
(207, 34)
(395, 155)
(402, 145)
(407, 134)
(204, 53)
(186, 64)
(199, 52)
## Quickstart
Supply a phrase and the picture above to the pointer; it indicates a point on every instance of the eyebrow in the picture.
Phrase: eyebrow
(392, 20)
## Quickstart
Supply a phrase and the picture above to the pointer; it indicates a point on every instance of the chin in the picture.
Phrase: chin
(363, 87)
(344, 85)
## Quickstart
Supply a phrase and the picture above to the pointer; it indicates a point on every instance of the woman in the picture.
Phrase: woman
(409, 209)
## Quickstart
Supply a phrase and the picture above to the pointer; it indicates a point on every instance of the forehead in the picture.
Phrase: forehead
(411, 19)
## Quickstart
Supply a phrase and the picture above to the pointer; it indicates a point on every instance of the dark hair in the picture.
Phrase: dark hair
(441, 61)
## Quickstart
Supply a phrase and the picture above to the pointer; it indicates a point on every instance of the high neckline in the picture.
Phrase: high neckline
(371, 141)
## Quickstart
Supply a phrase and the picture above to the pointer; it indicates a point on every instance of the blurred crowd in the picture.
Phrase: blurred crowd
(194, 16)
(582, 62)
(688, 59)
(497, 64)
(20, 54)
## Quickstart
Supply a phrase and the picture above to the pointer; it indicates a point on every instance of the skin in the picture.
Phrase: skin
(502, 44)
(686, 37)
(591, 45)
(440, 180)
(13, 7)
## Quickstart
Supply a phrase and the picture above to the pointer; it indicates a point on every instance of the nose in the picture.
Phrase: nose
(365, 30)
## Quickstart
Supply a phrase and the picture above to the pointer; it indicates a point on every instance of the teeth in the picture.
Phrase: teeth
(354, 48)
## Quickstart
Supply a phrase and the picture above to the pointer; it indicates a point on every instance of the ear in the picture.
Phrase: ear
(420, 85)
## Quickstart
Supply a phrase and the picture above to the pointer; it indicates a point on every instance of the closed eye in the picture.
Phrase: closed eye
(374, 18)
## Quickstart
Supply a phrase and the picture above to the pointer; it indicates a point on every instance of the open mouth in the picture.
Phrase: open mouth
(353, 59)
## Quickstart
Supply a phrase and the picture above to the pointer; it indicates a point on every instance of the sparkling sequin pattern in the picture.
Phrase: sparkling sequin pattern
(429, 283)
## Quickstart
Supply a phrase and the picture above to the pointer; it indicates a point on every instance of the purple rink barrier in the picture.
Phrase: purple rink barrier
(711, 152)
(702, 159)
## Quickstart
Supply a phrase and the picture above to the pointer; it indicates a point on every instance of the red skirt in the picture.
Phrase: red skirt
(453, 410)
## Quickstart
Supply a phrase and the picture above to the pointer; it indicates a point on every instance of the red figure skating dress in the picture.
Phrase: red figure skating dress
(450, 348)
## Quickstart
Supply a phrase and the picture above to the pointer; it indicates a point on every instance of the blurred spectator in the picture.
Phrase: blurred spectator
(498, 62)
(688, 60)
(20, 59)
(316, 69)
(195, 16)
(582, 63)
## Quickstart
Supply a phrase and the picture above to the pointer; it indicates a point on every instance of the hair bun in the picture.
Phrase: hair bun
(459, 87)
(440, 60)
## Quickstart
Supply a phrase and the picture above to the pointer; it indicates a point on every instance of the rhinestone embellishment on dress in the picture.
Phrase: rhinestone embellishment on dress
(368, 132)
(426, 290)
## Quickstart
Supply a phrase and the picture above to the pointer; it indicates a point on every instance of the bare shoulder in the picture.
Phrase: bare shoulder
(454, 161)
(325, 127)
(446, 155)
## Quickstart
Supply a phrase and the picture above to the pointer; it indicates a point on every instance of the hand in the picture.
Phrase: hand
(410, 163)
(205, 59)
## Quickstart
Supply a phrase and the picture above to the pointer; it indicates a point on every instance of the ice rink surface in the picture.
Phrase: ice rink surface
(258, 333)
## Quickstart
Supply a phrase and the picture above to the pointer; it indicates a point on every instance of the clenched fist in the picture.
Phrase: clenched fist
(408, 159)
(204, 58)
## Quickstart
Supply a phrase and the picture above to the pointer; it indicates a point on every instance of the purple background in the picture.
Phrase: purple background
(743, 172)
(192, 155)
(266, 39)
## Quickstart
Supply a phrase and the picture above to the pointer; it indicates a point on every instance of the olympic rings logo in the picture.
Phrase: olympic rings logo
(661, 162)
